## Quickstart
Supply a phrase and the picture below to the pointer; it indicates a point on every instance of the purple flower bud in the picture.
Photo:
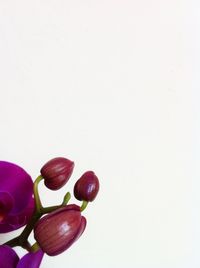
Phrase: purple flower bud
(57, 172)
(58, 230)
(87, 187)
(16, 201)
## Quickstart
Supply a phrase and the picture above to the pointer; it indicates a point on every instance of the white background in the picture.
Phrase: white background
(114, 86)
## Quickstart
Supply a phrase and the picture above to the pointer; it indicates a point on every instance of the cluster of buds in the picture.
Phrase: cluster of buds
(66, 224)
(55, 228)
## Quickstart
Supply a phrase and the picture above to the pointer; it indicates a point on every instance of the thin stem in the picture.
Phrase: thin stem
(28, 229)
(13, 242)
(66, 199)
(52, 208)
(27, 246)
(49, 209)
(84, 205)
(35, 247)
(36, 193)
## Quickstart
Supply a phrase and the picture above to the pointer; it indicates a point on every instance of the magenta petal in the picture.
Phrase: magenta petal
(14, 222)
(8, 257)
(6, 202)
(16, 201)
(31, 260)
(17, 182)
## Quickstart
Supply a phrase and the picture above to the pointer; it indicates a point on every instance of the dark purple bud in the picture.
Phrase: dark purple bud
(58, 230)
(87, 187)
(57, 172)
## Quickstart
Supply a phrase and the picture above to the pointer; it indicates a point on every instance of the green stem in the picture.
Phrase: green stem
(27, 246)
(28, 229)
(49, 209)
(52, 208)
(13, 242)
(84, 205)
(38, 203)
(66, 199)
(35, 247)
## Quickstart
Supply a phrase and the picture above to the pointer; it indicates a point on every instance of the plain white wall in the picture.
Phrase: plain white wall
(114, 86)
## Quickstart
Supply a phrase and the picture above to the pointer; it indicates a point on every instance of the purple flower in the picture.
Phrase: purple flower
(9, 258)
(16, 197)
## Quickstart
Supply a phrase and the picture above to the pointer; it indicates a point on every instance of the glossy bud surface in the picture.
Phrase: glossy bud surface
(87, 187)
(57, 172)
(58, 230)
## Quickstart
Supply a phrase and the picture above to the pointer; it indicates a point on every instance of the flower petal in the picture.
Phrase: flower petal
(31, 260)
(6, 204)
(8, 257)
(17, 182)
(16, 201)
(13, 222)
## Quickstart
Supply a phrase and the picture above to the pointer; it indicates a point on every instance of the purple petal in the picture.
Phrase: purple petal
(31, 260)
(15, 181)
(6, 202)
(16, 202)
(13, 222)
(8, 257)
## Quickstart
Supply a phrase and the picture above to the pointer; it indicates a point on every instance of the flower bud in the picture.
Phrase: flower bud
(58, 230)
(57, 172)
(87, 187)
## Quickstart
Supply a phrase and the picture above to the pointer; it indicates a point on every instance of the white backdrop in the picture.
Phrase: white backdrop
(114, 86)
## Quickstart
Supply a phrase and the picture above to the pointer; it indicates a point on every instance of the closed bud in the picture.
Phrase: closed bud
(87, 187)
(58, 230)
(57, 172)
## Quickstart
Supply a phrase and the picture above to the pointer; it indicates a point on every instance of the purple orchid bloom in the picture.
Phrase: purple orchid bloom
(16, 197)
(9, 258)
